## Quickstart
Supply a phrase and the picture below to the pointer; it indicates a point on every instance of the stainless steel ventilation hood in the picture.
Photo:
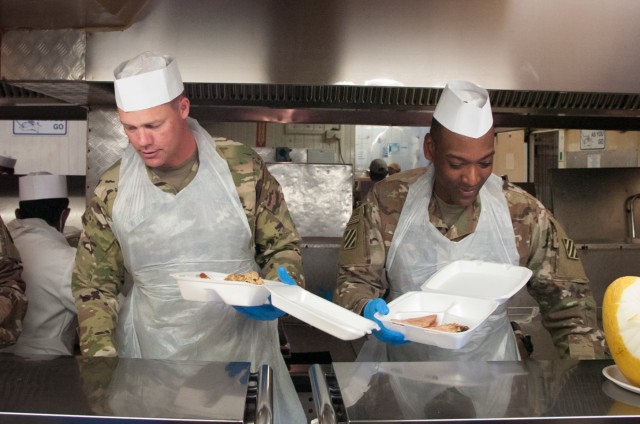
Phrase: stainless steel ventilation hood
(569, 64)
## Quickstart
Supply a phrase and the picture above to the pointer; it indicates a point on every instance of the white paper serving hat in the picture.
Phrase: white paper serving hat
(464, 108)
(42, 185)
(147, 80)
(7, 162)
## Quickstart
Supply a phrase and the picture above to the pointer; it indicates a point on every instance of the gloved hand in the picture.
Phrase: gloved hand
(285, 277)
(267, 312)
(384, 334)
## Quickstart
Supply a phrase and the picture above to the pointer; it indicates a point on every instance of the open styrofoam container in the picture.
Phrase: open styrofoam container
(462, 292)
(217, 289)
(320, 313)
(449, 308)
(294, 300)
(478, 279)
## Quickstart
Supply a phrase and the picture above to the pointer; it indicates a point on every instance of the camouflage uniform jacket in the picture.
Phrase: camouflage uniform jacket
(558, 283)
(99, 272)
(13, 300)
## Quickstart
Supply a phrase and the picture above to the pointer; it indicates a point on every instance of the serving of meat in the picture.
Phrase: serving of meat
(424, 322)
(431, 322)
(249, 277)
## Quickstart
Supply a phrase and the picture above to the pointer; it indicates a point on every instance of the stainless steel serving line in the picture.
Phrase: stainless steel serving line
(561, 391)
(67, 389)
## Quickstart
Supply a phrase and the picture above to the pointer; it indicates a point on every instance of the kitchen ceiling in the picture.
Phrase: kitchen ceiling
(294, 66)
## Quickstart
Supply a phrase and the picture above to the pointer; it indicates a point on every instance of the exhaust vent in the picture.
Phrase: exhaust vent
(365, 97)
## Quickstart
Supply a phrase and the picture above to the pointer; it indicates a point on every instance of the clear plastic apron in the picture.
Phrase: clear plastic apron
(418, 250)
(203, 227)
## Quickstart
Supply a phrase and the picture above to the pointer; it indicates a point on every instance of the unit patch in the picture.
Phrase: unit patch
(350, 239)
(355, 218)
(570, 248)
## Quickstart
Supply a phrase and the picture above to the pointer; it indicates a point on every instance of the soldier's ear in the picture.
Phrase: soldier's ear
(428, 147)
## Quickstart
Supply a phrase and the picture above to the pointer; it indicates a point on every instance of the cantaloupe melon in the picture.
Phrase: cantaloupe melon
(621, 322)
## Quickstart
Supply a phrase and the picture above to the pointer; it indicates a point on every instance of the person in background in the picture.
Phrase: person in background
(394, 168)
(50, 326)
(378, 170)
(180, 201)
(7, 165)
(13, 300)
(414, 223)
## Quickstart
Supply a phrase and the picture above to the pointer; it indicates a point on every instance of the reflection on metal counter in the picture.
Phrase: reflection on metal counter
(525, 391)
(77, 389)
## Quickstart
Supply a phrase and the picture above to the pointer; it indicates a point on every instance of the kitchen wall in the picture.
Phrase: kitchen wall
(339, 140)
(511, 156)
(601, 149)
(38, 146)
(66, 153)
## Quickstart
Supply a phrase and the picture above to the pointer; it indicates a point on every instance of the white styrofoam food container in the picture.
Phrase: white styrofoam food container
(294, 300)
(462, 292)
(483, 280)
(449, 308)
(217, 289)
(320, 313)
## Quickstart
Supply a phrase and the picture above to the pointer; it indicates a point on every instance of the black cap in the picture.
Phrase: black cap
(378, 169)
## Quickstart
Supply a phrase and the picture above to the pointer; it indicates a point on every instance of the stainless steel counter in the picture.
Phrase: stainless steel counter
(414, 392)
(68, 389)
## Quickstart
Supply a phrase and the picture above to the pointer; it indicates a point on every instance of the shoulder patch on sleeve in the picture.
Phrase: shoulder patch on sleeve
(350, 239)
(353, 246)
(356, 216)
(568, 263)
(570, 248)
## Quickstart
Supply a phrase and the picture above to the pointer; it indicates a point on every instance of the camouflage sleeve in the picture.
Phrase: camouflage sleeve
(13, 300)
(98, 275)
(362, 258)
(561, 288)
(276, 239)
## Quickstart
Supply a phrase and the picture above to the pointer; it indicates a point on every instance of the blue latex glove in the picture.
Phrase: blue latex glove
(384, 334)
(267, 312)
(285, 277)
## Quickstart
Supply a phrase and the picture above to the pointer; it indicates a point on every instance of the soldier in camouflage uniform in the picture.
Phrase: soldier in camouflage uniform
(13, 300)
(460, 175)
(178, 201)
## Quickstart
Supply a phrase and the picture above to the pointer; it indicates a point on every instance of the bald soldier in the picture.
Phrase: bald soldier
(13, 301)
(180, 201)
(414, 223)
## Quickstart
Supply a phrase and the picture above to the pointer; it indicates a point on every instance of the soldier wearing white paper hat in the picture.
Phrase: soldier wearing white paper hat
(390, 247)
(180, 201)
(50, 325)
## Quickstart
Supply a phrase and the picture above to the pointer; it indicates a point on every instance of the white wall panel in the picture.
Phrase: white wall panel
(58, 154)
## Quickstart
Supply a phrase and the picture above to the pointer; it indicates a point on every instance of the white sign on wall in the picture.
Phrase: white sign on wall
(39, 127)
(591, 139)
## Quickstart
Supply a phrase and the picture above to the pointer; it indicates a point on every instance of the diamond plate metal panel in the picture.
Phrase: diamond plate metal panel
(319, 197)
(43, 55)
(105, 142)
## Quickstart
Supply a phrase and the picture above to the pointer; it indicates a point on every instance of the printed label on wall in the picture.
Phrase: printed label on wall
(39, 127)
(591, 139)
